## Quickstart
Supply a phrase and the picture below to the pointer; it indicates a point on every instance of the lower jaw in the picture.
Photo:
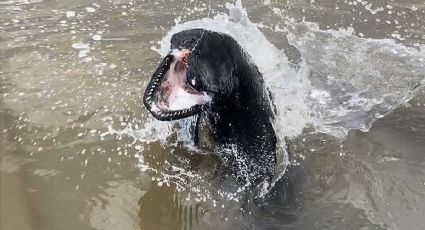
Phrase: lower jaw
(176, 115)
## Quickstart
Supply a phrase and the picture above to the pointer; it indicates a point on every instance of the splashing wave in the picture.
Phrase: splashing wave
(343, 82)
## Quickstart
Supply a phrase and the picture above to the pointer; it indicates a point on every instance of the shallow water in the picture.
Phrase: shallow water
(79, 150)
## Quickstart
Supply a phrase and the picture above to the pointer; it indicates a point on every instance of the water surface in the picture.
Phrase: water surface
(79, 150)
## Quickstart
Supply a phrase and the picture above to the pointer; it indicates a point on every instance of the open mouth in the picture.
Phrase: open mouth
(169, 95)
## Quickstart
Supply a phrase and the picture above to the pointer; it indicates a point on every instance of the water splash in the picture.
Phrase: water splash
(355, 81)
(342, 82)
(287, 85)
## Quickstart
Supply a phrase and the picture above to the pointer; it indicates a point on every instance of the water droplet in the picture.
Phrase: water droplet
(90, 9)
(70, 14)
(96, 37)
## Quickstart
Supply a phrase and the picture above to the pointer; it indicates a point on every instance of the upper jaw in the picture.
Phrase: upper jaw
(168, 96)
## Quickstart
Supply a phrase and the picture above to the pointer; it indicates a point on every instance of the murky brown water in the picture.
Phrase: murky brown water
(72, 70)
